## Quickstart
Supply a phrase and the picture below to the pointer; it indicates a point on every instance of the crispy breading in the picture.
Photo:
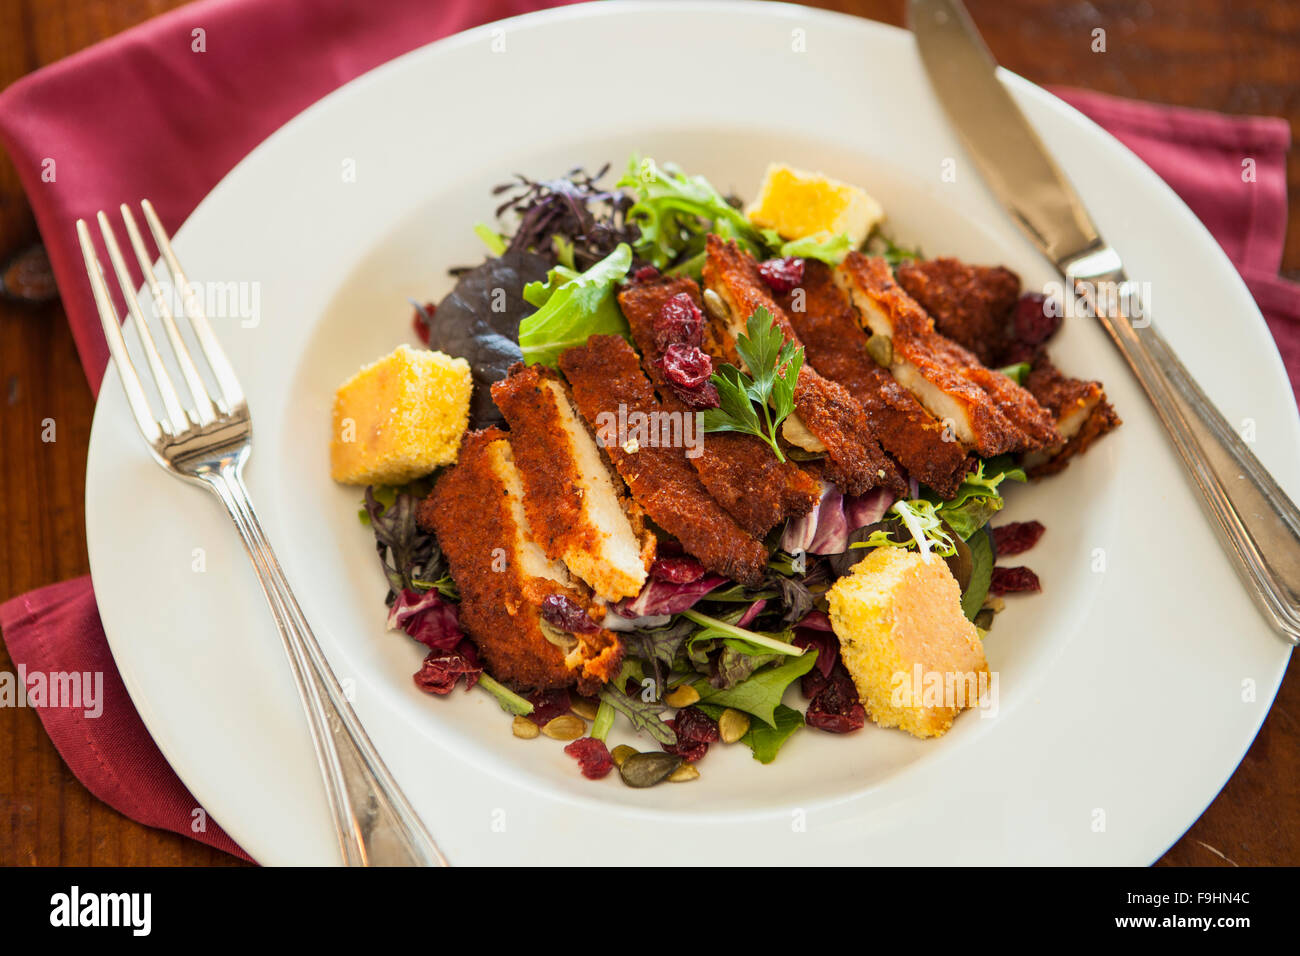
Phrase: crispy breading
(476, 511)
(971, 305)
(606, 374)
(739, 471)
(1081, 411)
(836, 346)
(946, 379)
(854, 459)
(1014, 401)
(576, 507)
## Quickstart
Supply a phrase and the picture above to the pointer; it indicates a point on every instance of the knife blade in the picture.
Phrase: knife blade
(1004, 147)
(1258, 525)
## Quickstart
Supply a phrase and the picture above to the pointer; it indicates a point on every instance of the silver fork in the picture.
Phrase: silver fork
(208, 445)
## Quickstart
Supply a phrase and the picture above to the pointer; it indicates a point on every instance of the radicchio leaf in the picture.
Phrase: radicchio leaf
(427, 617)
(666, 597)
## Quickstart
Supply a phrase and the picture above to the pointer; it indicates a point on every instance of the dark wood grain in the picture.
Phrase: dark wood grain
(1238, 56)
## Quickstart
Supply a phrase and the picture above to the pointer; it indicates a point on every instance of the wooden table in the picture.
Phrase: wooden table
(1237, 56)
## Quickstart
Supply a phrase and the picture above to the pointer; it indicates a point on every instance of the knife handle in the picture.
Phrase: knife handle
(1259, 525)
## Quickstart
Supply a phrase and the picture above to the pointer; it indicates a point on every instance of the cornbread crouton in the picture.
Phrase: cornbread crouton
(915, 659)
(798, 204)
(400, 417)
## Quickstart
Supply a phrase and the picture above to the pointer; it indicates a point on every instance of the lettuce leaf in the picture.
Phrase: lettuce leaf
(978, 498)
(572, 307)
(674, 211)
(829, 249)
(761, 694)
(765, 741)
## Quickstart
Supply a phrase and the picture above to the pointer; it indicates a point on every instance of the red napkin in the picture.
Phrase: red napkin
(265, 61)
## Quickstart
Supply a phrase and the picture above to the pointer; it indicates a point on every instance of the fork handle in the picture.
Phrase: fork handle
(375, 824)
(1259, 525)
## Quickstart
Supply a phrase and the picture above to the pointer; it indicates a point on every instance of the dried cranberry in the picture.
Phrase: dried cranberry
(592, 756)
(1033, 323)
(782, 275)
(645, 274)
(566, 614)
(697, 399)
(685, 366)
(1012, 580)
(837, 709)
(679, 322)
(695, 731)
(1016, 537)
(682, 570)
(548, 704)
(442, 669)
(420, 321)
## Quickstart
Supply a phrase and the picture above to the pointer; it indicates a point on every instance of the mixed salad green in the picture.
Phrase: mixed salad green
(696, 643)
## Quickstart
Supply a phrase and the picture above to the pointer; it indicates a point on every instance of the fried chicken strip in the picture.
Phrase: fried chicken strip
(1081, 411)
(836, 346)
(988, 414)
(576, 507)
(476, 510)
(826, 417)
(606, 374)
(971, 305)
(739, 471)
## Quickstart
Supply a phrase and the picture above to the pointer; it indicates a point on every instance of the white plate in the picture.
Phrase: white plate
(1129, 689)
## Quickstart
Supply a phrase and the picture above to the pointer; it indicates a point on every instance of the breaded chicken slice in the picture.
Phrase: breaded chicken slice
(932, 368)
(576, 507)
(971, 305)
(1081, 411)
(476, 510)
(606, 374)
(836, 346)
(739, 471)
(826, 417)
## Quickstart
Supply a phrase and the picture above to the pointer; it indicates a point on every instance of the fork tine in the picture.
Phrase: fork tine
(176, 416)
(216, 356)
(198, 390)
(116, 344)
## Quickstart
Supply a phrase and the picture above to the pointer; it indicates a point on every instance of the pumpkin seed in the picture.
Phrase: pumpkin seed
(648, 769)
(565, 727)
(524, 728)
(881, 349)
(732, 725)
(584, 707)
(984, 619)
(683, 773)
(716, 306)
(621, 753)
(682, 696)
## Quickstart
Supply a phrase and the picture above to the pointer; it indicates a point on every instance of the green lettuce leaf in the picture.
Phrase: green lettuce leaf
(572, 307)
(674, 211)
(761, 693)
(981, 574)
(829, 250)
(765, 741)
(978, 497)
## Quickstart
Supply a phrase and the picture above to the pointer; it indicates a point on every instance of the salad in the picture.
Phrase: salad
(669, 456)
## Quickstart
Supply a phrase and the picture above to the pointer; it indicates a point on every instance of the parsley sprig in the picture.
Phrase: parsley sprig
(774, 366)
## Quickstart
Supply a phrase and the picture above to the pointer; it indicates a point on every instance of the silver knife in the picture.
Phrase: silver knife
(1259, 524)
